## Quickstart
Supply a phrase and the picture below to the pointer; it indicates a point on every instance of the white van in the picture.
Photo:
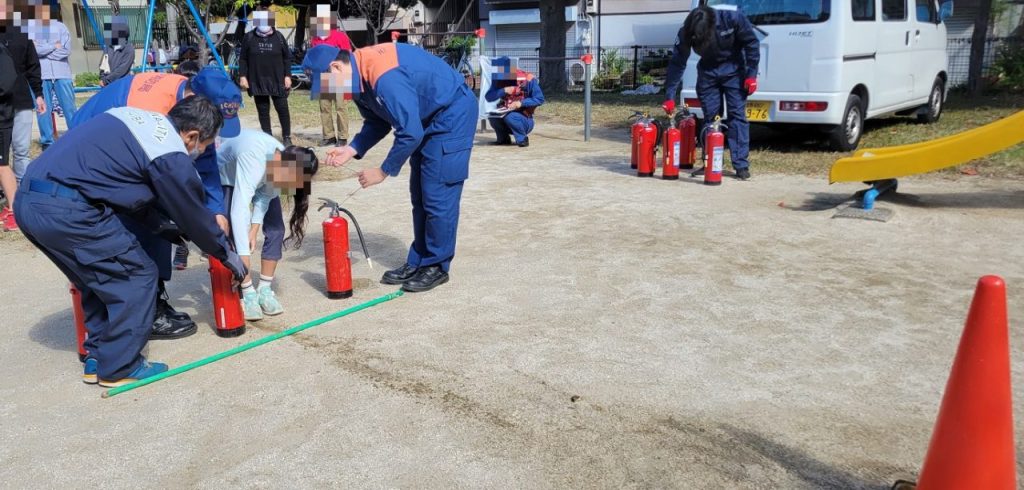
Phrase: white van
(835, 63)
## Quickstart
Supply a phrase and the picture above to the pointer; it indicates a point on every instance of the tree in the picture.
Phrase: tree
(552, 44)
(380, 15)
(981, 22)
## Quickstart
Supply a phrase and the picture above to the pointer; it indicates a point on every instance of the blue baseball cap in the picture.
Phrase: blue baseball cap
(212, 83)
(318, 61)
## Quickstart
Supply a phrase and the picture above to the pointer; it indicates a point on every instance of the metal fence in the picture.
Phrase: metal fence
(136, 18)
(959, 52)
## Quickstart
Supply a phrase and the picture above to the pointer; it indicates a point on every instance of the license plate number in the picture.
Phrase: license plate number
(757, 110)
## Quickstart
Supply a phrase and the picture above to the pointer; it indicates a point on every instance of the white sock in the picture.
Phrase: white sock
(265, 281)
(247, 287)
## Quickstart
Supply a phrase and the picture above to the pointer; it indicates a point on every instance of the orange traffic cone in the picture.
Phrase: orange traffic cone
(972, 444)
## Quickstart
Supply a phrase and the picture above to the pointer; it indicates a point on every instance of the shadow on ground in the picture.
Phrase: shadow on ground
(385, 250)
(56, 331)
(996, 199)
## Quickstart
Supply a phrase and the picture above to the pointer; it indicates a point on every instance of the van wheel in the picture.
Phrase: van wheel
(846, 136)
(931, 112)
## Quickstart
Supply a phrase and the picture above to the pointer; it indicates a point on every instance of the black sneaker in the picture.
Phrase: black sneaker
(524, 143)
(399, 275)
(342, 142)
(166, 326)
(426, 278)
(287, 140)
(504, 142)
(181, 257)
(327, 141)
(743, 173)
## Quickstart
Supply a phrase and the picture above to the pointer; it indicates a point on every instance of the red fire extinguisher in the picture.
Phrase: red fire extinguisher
(634, 141)
(714, 148)
(336, 260)
(670, 147)
(687, 124)
(646, 148)
(79, 314)
(227, 301)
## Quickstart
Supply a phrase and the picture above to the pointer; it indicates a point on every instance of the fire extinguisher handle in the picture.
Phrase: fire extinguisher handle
(329, 203)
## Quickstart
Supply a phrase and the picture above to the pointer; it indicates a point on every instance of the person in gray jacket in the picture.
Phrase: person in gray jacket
(119, 55)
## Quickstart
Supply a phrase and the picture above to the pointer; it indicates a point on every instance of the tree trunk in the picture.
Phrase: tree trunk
(981, 21)
(552, 45)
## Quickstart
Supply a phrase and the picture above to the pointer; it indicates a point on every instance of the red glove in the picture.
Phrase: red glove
(669, 106)
(751, 85)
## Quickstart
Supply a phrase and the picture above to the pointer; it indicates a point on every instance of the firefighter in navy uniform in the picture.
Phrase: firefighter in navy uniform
(433, 113)
(520, 95)
(123, 161)
(729, 54)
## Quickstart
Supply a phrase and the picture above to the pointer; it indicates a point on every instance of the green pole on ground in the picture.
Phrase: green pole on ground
(242, 348)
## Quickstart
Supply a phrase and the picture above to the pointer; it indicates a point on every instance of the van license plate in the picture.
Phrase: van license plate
(757, 110)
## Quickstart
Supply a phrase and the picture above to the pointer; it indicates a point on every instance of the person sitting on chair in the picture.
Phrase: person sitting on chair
(519, 94)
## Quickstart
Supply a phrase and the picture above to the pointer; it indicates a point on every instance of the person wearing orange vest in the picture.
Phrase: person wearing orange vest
(519, 97)
(159, 92)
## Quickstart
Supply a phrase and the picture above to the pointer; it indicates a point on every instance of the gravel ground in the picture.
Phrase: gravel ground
(599, 330)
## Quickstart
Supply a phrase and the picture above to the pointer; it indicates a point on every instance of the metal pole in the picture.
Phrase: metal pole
(149, 34)
(588, 59)
(242, 348)
(206, 35)
(95, 28)
(636, 53)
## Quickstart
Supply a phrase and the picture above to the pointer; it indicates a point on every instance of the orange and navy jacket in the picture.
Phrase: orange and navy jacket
(527, 92)
(151, 91)
(402, 87)
(155, 92)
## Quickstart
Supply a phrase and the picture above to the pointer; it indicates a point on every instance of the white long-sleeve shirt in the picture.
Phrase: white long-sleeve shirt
(243, 165)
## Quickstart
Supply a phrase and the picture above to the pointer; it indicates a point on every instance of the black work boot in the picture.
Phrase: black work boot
(524, 143)
(426, 278)
(743, 173)
(399, 275)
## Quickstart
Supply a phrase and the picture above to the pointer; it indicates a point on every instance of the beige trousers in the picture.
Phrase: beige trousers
(329, 110)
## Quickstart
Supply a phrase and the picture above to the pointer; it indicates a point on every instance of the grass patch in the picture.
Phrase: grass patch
(805, 151)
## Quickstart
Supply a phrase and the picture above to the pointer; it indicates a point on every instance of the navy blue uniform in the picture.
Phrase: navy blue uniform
(126, 161)
(720, 73)
(156, 92)
(434, 116)
(519, 123)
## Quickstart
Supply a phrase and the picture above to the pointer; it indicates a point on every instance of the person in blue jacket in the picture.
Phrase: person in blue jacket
(126, 161)
(520, 95)
(433, 114)
(729, 54)
(158, 92)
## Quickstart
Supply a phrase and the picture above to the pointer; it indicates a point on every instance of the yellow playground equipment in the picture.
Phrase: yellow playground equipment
(881, 166)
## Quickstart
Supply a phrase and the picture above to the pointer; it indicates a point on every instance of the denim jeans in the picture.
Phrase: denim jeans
(66, 96)
(21, 141)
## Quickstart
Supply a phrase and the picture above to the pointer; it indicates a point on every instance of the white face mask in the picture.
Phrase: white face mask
(194, 153)
(264, 29)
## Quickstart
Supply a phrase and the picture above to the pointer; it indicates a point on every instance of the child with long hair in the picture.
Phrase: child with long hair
(256, 170)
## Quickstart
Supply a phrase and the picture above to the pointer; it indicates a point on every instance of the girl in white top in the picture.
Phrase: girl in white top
(255, 170)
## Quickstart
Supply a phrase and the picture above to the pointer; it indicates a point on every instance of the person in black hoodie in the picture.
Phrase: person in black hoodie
(264, 68)
(26, 64)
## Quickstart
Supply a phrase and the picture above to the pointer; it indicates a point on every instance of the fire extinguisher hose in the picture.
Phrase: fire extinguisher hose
(362, 243)
(251, 345)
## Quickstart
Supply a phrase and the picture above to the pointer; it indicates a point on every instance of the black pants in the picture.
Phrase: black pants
(281, 106)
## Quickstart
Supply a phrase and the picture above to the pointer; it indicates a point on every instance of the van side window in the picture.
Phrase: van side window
(894, 10)
(863, 10)
(926, 12)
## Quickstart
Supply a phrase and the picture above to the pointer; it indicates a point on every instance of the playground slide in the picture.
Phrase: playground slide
(918, 158)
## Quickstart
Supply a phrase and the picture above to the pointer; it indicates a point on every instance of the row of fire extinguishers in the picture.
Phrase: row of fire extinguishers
(227, 305)
(677, 139)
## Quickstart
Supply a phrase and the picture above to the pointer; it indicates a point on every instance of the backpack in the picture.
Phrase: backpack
(8, 73)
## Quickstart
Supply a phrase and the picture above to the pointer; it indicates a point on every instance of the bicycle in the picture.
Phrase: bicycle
(458, 58)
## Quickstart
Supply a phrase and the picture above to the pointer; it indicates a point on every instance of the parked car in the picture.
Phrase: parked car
(833, 64)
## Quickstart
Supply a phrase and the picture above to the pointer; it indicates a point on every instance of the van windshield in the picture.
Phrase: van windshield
(769, 12)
